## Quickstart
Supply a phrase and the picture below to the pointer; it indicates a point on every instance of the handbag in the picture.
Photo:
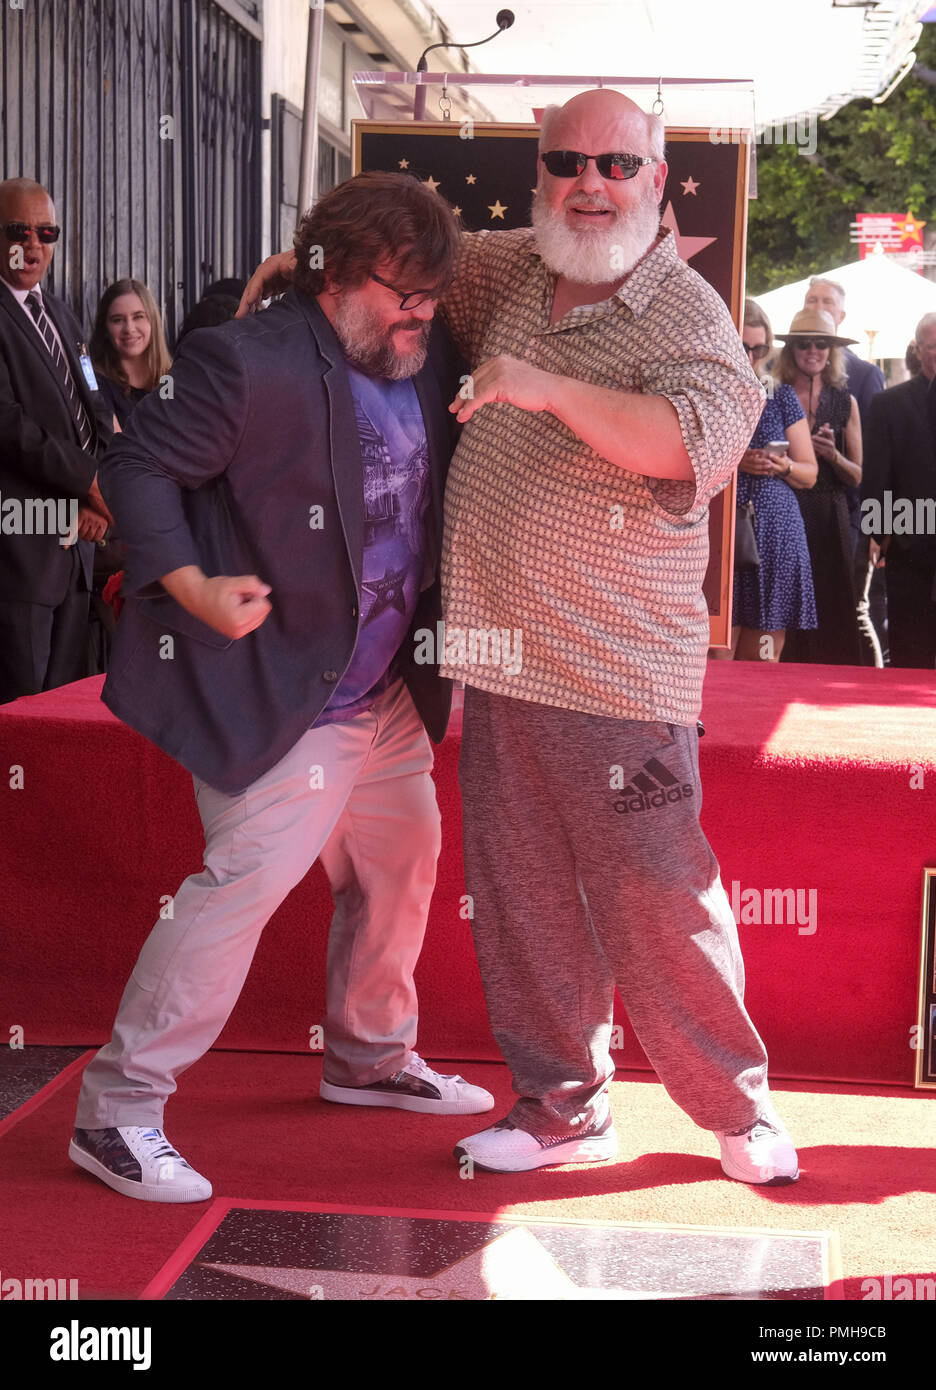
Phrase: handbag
(746, 554)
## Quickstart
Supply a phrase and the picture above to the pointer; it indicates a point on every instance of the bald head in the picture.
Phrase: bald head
(23, 263)
(593, 227)
(616, 121)
(13, 190)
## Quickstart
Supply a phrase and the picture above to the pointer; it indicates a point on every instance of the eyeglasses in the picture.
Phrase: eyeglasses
(757, 350)
(570, 164)
(413, 298)
(820, 344)
(19, 231)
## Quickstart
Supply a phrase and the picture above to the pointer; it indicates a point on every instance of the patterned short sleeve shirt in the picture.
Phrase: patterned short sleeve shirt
(567, 580)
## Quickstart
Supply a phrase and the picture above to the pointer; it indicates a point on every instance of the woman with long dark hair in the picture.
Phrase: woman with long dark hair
(128, 345)
(130, 357)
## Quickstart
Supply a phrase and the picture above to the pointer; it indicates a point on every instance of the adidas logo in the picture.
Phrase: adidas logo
(653, 786)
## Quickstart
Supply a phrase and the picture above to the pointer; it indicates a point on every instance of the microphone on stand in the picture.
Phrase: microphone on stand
(505, 19)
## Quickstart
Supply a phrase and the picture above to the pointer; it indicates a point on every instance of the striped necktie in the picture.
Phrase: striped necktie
(82, 423)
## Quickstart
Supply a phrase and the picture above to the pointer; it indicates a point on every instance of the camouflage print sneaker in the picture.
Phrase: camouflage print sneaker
(417, 1087)
(138, 1162)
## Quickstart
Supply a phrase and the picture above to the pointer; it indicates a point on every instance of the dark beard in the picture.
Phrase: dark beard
(369, 347)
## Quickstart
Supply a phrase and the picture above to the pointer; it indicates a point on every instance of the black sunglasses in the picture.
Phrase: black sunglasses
(758, 351)
(570, 164)
(820, 344)
(19, 231)
(413, 298)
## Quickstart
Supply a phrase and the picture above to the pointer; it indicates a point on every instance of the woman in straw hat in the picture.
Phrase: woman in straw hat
(812, 364)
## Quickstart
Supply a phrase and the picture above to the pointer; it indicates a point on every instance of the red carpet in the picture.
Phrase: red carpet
(254, 1125)
(812, 784)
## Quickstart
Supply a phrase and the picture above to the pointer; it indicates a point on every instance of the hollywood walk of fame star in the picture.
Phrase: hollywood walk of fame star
(497, 209)
(432, 183)
(510, 1266)
(689, 185)
(686, 246)
(388, 593)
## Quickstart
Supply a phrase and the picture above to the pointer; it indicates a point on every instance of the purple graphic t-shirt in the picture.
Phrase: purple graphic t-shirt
(395, 464)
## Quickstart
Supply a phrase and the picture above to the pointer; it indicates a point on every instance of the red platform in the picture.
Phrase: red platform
(815, 779)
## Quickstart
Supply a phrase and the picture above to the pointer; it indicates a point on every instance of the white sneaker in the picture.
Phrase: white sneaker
(763, 1153)
(505, 1149)
(418, 1087)
(138, 1162)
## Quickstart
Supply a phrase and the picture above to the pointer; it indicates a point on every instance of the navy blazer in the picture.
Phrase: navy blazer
(39, 452)
(233, 472)
(900, 457)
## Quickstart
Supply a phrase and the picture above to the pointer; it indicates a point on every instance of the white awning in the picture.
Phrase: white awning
(803, 55)
(883, 304)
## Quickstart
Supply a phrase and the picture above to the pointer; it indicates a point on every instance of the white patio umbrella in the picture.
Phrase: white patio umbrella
(884, 302)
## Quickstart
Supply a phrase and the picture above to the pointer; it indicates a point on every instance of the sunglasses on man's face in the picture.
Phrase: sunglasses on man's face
(19, 231)
(820, 344)
(756, 350)
(571, 164)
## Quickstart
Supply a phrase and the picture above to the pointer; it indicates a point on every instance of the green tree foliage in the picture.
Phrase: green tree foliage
(868, 159)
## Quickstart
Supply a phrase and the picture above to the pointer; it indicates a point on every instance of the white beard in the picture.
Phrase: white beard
(599, 257)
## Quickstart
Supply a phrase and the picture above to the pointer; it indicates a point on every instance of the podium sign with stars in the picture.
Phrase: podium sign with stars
(488, 172)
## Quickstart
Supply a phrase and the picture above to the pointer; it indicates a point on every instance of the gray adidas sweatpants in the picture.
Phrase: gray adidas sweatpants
(588, 867)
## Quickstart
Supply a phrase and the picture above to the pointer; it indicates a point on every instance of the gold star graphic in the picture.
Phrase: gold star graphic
(404, 163)
(432, 183)
(690, 186)
(497, 209)
(470, 178)
(911, 227)
(457, 210)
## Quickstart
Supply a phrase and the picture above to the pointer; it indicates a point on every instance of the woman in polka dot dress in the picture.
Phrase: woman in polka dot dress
(779, 594)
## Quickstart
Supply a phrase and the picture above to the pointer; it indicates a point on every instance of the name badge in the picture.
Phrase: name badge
(88, 370)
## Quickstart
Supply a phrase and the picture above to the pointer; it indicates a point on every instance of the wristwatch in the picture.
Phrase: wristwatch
(789, 469)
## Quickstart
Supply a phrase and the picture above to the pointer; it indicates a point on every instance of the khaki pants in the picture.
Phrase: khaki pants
(370, 814)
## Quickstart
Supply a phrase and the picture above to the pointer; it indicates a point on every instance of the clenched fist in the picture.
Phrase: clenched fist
(232, 606)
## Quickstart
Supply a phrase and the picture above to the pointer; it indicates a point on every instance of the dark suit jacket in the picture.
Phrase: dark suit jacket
(900, 456)
(39, 452)
(865, 381)
(260, 428)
